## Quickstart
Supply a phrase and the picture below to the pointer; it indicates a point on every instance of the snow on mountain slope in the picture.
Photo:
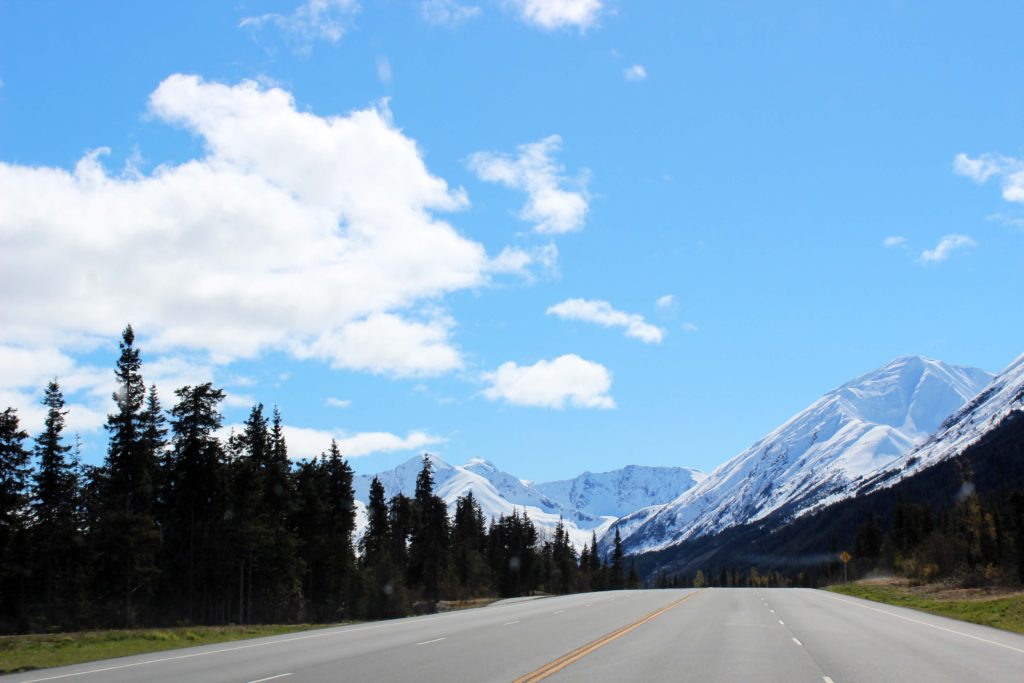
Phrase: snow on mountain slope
(500, 498)
(603, 497)
(849, 433)
(1005, 394)
(622, 491)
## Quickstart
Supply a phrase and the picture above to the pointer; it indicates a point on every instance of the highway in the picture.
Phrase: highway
(716, 634)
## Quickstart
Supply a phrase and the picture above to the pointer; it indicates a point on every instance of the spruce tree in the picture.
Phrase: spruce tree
(54, 533)
(383, 575)
(194, 495)
(128, 537)
(469, 535)
(428, 549)
(277, 574)
(14, 479)
(14, 471)
(617, 569)
(341, 524)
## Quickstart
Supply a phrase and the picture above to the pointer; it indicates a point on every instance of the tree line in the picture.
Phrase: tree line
(181, 526)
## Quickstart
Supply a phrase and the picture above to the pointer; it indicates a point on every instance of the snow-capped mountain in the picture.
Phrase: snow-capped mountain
(499, 493)
(623, 491)
(848, 434)
(1004, 395)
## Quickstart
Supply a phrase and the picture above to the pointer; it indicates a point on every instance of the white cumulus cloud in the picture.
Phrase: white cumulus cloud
(388, 344)
(552, 208)
(314, 235)
(555, 14)
(552, 384)
(602, 313)
(666, 302)
(894, 241)
(304, 442)
(945, 248)
(980, 169)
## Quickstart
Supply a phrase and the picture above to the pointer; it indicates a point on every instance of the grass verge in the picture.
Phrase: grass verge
(23, 653)
(1005, 612)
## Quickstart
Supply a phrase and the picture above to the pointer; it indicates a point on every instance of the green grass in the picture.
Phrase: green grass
(21, 653)
(1001, 612)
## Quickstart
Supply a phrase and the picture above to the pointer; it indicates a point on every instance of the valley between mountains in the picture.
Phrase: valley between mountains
(871, 432)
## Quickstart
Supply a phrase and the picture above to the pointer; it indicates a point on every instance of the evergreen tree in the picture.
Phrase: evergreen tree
(633, 581)
(54, 535)
(429, 543)
(127, 537)
(563, 561)
(384, 585)
(312, 523)
(469, 539)
(342, 581)
(276, 573)
(14, 479)
(618, 576)
(194, 488)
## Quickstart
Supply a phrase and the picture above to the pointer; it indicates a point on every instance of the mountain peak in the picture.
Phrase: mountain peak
(852, 431)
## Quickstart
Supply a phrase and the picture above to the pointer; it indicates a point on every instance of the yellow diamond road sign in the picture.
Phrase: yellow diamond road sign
(845, 557)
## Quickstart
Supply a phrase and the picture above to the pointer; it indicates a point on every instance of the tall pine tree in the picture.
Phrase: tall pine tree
(55, 536)
(128, 538)
(14, 478)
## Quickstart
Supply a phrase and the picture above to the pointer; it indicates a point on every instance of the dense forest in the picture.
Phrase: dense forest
(182, 526)
(959, 522)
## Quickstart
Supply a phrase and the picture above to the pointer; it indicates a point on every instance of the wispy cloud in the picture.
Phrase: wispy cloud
(552, 384)
(311, 21)
(552, 208)
(384, 73)
(637, 72)
(945, 248)
(602, 313)
(526, 262)
(666, 302)
(447, 12)
(337, 402)
(894, 241)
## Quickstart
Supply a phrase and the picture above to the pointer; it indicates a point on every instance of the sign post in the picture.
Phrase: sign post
(845, 557)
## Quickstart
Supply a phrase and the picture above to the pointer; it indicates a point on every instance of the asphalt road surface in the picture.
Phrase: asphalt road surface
(716, 634)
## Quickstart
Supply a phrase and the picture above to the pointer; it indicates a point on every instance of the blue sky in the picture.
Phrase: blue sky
(560, 235)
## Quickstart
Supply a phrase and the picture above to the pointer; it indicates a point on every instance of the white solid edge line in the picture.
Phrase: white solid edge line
(340, 631)
(797, 642)
(509, 623)
(925, 623)
(269, 678)
(337, 631)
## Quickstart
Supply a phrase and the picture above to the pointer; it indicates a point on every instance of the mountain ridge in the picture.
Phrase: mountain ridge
(851, 432)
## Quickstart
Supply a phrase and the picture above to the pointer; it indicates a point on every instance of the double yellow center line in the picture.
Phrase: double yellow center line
(581, 652)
